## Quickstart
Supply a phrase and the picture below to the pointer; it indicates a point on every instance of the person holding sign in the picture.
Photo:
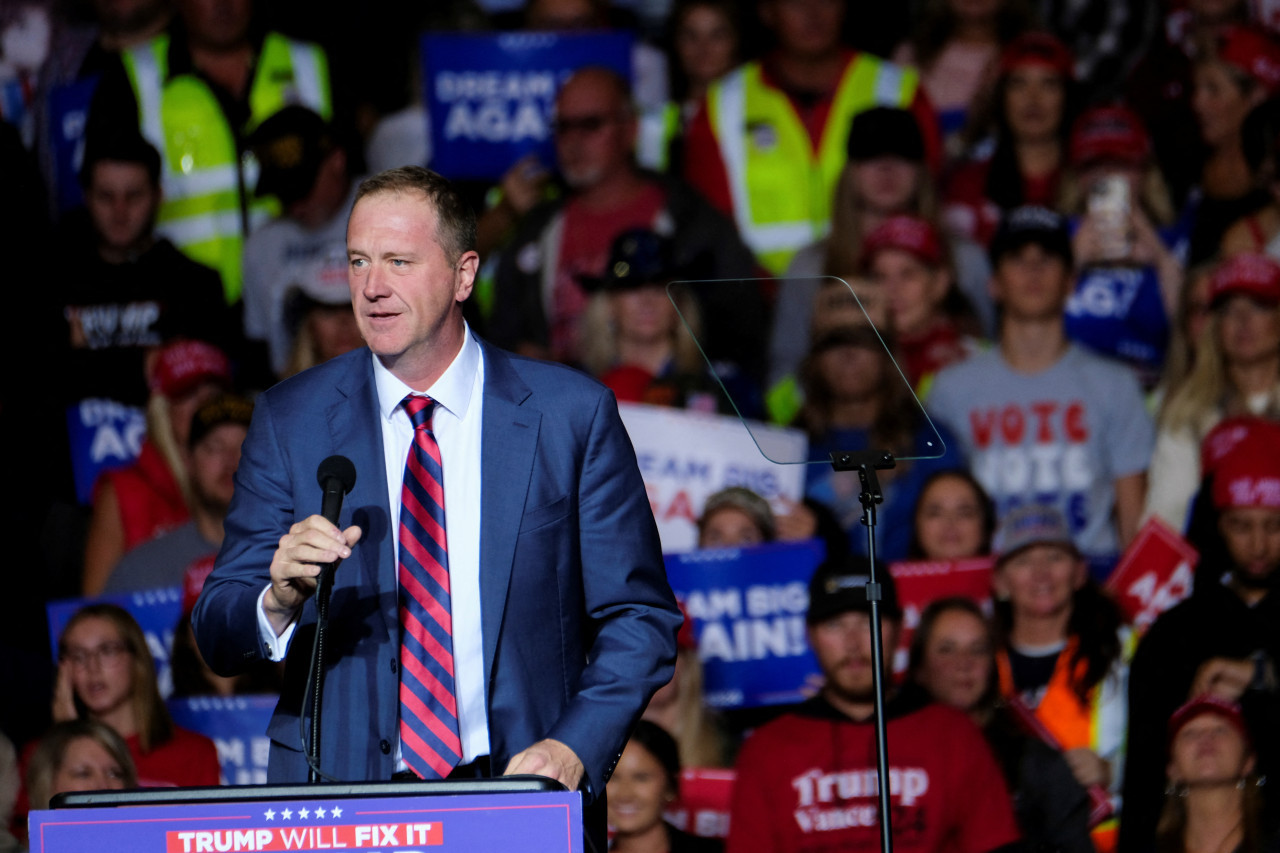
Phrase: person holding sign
(953, 657)
(1223, 640)
(806, 782)
(1063, 657)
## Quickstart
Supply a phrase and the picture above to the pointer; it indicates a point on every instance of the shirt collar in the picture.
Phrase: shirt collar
(452, 391)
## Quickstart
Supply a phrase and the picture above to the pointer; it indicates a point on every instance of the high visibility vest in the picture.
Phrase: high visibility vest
(781, 189)
(209, 206)
(1100, 723)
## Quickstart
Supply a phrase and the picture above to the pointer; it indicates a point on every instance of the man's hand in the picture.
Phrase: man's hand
(1223, 678)
(308, 545)
(549, 758)
(1088, 767)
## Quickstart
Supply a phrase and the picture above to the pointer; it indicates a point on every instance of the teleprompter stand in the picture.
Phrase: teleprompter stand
(866, 463)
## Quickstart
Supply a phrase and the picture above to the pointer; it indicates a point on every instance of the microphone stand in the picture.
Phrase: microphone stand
(324, 586)
(866, 463)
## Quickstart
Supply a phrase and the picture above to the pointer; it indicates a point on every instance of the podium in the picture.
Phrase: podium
(524, 812)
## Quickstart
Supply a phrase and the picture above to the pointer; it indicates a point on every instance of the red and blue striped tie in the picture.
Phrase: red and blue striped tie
(429, 741)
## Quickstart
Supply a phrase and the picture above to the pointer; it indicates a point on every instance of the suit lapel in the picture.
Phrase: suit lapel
(355, 430)
(509, 440)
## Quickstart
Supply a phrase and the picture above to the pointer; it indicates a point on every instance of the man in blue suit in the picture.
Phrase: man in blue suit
(563, 623)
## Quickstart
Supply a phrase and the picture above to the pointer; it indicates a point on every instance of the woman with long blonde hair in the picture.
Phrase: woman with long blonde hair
(135, 503)
(1236, 371)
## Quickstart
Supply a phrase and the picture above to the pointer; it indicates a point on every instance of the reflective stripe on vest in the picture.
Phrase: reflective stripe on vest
(654, 132)
(207, 181)
(781, 187)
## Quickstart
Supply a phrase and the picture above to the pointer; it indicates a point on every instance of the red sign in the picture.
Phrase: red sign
(922, 582)
(1155, 573)
(702, 808)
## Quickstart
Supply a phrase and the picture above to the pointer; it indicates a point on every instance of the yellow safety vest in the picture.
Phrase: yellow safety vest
(781, 190)
(208, 205)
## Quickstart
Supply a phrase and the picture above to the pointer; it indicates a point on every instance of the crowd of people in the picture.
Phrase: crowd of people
(1029, 247)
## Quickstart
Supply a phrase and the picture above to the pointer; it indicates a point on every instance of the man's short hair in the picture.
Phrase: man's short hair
(616, 81)
(124, 147)
(456, 221)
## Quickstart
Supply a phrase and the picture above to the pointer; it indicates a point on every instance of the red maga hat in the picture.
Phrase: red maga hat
(1199, 706)
(182, 366)
(1246, 274)
(1248, 476)
(1252, 51)
(908, 234)
(1040, 49)
(1249, 433)
(1109, 133)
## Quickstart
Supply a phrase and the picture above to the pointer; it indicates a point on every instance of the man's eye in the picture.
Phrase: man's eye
(357, 263)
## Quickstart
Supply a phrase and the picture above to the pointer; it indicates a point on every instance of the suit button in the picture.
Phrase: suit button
(393, 666)
(385, 746)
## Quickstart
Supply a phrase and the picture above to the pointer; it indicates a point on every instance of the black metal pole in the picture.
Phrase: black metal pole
(324, 586)
(866, 463)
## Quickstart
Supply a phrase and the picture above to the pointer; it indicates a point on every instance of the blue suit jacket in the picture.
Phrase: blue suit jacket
(578, 620)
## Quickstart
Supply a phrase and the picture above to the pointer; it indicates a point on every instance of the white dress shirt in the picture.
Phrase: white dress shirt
(456, 423)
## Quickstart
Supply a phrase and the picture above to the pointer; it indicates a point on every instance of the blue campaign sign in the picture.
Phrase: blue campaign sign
(103, 434)
(156, 610)
(323, 818)
(237, 725)
(68, 116)
(748, 607)
(489, 97)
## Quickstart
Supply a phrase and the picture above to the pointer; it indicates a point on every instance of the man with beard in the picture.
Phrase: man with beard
(807, 782)
(1225, 639)
(538, 302)
(217, 431)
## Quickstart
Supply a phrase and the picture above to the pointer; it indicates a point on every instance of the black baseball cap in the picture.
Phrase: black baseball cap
(290, 146)
(1030, 224)
(885, 132)
(839, 586)
(638, 256)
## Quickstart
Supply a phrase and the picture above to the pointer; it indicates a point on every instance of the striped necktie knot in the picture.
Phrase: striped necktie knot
(420, 410)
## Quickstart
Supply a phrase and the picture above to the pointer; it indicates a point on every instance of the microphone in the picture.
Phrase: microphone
(336, 476)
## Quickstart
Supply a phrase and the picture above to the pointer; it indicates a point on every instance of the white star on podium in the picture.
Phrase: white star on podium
(304, 813)
(269, 814)
(287, 814)
(320, 812)
(336, 811)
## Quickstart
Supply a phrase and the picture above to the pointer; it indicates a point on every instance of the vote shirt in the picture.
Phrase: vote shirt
(1061, 436)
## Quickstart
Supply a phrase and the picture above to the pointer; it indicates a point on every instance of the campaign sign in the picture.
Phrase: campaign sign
(748, 607)
(103, 434)
(237, 725)
(156, 610)
(489, 97)
(68, 118)
(687, 456)
(702, 805)
(1156, 571)
(542, 821)
(922, 582)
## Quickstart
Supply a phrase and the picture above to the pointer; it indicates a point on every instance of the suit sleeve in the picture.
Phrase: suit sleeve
(630, 610)
(225, 617)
